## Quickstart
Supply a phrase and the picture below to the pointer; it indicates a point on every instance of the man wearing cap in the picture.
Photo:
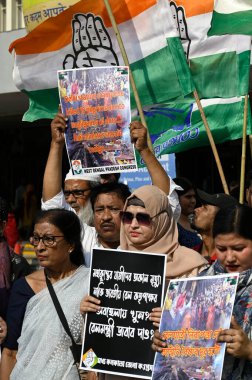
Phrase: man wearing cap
(204, 217)
(77, 187)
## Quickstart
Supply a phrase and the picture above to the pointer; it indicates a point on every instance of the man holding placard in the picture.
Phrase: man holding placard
(53, 196)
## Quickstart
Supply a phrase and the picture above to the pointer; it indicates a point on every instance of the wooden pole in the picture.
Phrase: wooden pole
(212, 143)
(243, 156)
(126, 62)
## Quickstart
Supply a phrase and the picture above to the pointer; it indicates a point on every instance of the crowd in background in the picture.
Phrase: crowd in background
(197, 231)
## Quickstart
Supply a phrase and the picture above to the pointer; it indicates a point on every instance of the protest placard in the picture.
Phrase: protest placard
(195, 311)
(117, 339)
(96, 102)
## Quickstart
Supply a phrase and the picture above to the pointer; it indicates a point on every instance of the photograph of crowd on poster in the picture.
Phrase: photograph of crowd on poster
(117, 339)
(96, 102)
(195, 311)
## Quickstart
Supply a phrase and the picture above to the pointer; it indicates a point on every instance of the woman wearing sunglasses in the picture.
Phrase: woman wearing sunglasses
(42, 349)
(147, 225)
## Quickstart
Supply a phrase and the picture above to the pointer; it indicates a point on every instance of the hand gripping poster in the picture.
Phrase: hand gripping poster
(96, 103)
(194, 313)
(117, 338)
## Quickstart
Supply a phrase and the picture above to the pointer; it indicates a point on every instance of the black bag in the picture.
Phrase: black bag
(75, 348)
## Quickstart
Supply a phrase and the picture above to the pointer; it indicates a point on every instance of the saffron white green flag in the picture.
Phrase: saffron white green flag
(231, 17)
(219, 65)
(220, 69)
(82, 36)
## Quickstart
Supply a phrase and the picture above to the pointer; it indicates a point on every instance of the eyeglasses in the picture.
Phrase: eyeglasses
(77, 193)
(142, 218)
(48, 240)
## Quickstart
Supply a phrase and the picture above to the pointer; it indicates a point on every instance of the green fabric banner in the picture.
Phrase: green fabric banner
(178, 127)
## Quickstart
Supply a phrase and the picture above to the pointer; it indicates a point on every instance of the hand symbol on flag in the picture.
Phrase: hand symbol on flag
(91, 44)
(180, 21)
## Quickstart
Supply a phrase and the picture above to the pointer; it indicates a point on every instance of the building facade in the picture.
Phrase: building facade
(23, 146)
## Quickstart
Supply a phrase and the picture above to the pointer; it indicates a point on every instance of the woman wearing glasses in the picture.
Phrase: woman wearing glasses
(42, 349)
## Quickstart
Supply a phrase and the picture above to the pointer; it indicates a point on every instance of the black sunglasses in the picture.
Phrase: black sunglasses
(142, 218)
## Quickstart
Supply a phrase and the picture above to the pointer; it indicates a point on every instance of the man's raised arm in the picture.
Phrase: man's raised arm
(53, 171)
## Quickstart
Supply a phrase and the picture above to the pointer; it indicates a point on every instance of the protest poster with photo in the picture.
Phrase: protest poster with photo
(96, 102)
(118, 338)
(195, 311)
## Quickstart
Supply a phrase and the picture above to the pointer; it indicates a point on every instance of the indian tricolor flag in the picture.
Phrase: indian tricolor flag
(231, 17)
(82, 36)
(219, 64)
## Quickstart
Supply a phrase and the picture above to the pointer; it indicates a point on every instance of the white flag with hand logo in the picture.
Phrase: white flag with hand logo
(82, 36)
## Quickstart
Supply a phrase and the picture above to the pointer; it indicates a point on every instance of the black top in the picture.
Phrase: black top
(21, 293)
(12, 267)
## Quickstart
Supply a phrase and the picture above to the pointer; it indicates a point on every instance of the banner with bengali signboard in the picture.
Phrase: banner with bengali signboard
(195, 311)
(96, 102)
(117, 339)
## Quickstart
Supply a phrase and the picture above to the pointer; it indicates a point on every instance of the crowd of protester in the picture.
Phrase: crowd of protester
(200, 233)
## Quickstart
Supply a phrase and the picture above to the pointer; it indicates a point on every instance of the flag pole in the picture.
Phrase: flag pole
(243, 156)
(126, 62)
(212, 143)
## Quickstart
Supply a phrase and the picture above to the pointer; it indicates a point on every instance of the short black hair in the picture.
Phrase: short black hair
(120, 189)
(4, 209)
(69, 224)
(116, 175)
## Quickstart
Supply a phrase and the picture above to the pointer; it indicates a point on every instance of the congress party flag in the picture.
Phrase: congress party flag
(231, 17)
(220, 65)
(82, 36)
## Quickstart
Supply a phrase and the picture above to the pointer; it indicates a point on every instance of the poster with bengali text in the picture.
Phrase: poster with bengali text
(96, 103)
(117, 339)
(194, 312)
